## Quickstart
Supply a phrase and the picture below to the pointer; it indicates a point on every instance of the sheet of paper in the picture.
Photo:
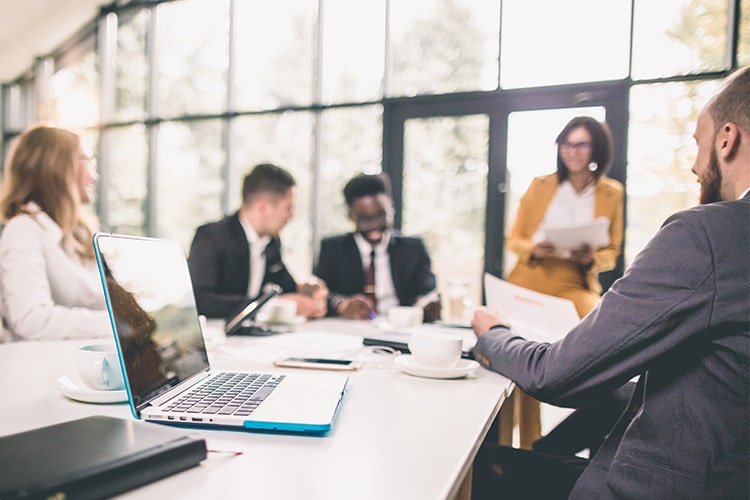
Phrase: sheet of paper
(535, 316)
(595, 234)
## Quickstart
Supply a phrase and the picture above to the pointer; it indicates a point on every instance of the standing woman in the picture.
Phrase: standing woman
(49, 284)
(578, 193)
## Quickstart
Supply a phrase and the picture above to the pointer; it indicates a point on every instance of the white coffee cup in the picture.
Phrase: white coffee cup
(405, 316)
(282, 311)
(434, 350)
(99, 367)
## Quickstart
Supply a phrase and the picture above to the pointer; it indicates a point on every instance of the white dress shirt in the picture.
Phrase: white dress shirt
(257, 258)
(46, 290)
(385, 291)
(569, 207)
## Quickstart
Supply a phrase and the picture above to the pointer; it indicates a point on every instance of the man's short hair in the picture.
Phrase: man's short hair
(266, 179)
(365, 185)
(732, 103)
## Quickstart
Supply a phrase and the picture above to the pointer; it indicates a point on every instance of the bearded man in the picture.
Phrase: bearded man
(679, 319)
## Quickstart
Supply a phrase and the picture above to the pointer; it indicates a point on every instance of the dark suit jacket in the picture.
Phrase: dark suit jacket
(680, 316)
(340, 266)
(219, 265)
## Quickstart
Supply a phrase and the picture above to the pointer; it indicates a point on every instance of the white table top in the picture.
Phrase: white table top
(396, 436)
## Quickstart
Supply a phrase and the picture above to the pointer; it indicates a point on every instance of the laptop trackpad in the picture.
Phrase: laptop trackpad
(303, 402)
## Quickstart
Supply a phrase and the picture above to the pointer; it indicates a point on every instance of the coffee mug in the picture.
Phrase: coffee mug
(436, 350)
(405, 316)
(282, 311)
(99, 367)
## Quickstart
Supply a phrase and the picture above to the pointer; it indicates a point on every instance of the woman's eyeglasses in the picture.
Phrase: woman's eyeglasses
(578, 146)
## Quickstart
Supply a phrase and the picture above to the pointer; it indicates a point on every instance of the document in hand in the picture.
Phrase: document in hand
(92, 457)
(533, 315)
(594, 234)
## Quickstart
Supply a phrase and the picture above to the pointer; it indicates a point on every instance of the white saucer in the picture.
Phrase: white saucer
(75, 391)
(409, 365)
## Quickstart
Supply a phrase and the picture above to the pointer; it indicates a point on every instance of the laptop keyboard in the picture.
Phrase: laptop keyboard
(227, 394)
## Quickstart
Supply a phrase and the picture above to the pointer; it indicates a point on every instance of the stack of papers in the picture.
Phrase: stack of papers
(533, 315)
(594, 234)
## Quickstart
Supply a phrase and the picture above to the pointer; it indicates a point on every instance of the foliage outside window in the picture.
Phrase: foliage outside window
(74, 93)
(284, 139)
(351, 143)
(131, 80)
(125, 182)
(275, 54)
(441, 46)
(193, 56)
(353, 51)
(551, 42)
(673, 37)
(188, 181)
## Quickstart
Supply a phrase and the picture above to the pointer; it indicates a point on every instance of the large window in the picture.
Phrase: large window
(193, 56)
(131, 84)
(275, 53)
(182, 97)
(441, 46)
(669, 28)
(445, 182)
(661, 154)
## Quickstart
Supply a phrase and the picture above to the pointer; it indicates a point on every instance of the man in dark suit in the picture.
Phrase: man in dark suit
(232, 259)
(679, 318)
(401, 273)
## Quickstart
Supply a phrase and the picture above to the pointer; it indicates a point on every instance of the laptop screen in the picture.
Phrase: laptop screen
(152, 308)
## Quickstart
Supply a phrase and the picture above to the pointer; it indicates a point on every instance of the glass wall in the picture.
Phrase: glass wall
(567, 42)
(444, 188)
(182, 97)
(442, 46)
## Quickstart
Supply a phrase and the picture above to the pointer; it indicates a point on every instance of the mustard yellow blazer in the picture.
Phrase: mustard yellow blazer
(608, 202)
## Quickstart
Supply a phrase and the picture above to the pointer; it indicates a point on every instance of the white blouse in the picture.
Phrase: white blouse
(46, 290)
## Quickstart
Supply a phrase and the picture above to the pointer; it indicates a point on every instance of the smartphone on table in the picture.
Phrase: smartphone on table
(318, 363)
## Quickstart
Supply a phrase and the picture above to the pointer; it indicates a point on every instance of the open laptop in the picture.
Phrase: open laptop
(162, 351)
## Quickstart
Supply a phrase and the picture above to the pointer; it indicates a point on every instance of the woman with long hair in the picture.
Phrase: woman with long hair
(49, 284)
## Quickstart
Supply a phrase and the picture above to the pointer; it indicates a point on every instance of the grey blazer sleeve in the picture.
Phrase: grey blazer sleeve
(665, 300)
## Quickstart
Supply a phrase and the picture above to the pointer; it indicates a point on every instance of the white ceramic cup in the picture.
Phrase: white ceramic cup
(282, 311)
(405, 316)
(99, 367)
(434, 350)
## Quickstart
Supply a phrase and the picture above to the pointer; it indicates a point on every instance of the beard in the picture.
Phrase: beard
(711, 182)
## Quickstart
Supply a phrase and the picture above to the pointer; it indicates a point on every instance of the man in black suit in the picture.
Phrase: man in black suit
(232, 259)
(680, 320)
(402, 272)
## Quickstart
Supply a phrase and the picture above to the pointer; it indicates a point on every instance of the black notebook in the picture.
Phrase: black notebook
(92, 457)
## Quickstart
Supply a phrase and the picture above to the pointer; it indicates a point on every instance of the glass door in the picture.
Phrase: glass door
(459, 165)
(444, 200)
(532, 152)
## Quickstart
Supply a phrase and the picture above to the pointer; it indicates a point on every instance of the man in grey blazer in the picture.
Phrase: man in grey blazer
(679, 318)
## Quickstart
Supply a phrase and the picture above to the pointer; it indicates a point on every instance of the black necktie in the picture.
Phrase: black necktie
(370, 280)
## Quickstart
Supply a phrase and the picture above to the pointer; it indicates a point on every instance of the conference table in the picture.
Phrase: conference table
(396, 436)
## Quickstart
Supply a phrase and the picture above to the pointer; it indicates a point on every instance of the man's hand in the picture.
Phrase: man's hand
(309, 307)
(432, 311)
(483, 320)
(355, 307)
(314, 287)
